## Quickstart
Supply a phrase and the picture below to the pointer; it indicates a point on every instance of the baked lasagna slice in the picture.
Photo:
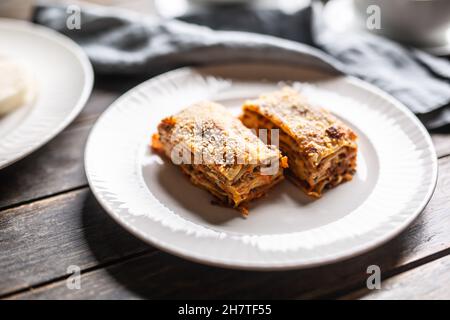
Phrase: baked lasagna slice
(320, 148)
(218, 153)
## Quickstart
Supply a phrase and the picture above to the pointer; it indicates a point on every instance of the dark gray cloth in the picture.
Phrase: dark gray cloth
(119, 42)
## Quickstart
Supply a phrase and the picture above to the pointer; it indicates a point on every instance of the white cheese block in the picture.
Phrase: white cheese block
(16, 85)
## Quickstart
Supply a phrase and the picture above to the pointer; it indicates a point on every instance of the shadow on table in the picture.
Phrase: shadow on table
(145, 272)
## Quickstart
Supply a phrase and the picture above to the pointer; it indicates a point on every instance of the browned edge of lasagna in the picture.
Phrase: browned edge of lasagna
(218, 153)
(321, 149)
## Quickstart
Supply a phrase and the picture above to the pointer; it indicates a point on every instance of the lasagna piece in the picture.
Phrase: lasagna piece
(218, 153)
(320, 148)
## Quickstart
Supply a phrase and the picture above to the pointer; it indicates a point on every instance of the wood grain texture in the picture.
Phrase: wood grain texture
(39, 241)
(106, 91)
(429, 281)
(159, 275)
(59, 165)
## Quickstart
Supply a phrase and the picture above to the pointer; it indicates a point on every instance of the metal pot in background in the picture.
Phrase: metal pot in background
(423, 23)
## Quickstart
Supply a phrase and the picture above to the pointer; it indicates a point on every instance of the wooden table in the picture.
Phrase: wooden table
(49, 221)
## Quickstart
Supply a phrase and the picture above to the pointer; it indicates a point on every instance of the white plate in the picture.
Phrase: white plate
(64, 81)
(397, 170)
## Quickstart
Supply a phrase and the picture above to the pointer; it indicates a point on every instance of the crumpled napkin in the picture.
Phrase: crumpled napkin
(121, 42)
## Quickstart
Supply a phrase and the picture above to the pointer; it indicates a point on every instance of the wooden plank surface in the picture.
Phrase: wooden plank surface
(55, 168)
(50, 221)
(58, 166)
(429, 281)
(39, 241)
(86, 232)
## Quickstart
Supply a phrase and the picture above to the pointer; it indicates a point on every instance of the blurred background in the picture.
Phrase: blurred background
(422, 23)
(374, 40)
